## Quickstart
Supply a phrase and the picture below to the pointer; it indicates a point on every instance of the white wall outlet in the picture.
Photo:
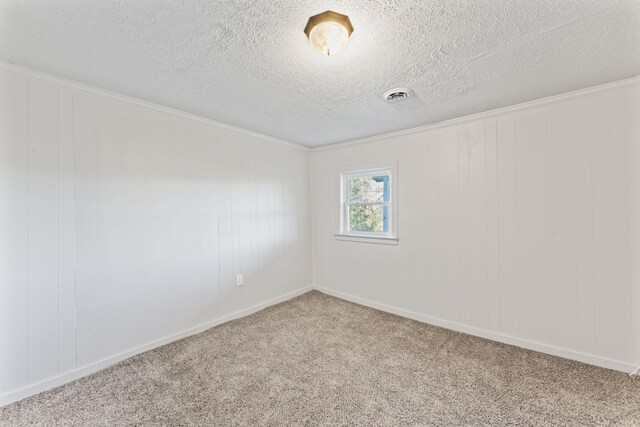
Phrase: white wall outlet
(239, 280)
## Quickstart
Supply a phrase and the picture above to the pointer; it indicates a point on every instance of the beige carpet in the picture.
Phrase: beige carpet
(317, 360)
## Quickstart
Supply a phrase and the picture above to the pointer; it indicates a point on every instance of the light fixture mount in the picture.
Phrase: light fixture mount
(328, 32)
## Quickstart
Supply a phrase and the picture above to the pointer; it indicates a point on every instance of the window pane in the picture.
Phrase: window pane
(370, 218)
(368, 189)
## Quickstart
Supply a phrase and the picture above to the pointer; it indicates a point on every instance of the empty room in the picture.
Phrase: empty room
(320, 213)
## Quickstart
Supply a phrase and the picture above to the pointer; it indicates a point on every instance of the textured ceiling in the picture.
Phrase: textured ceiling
(248, 63)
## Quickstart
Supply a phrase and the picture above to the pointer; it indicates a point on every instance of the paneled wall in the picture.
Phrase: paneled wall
(521, 226)
(122, 225)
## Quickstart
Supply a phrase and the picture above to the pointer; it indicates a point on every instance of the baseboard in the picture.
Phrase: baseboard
(482, 333)
(66, 377)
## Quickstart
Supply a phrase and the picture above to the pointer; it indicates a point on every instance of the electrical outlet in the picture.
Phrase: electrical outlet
(239, 280)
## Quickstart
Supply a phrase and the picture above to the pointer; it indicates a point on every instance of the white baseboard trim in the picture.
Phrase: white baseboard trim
(636, 372)
(482, 333)
(14, 396)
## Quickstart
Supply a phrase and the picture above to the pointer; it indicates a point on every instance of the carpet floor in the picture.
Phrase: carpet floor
(318, 360)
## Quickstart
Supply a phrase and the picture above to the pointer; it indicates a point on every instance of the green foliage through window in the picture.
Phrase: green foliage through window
(366, 218)
(368, 200)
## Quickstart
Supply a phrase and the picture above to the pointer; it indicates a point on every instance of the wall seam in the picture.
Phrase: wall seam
(219, 256)
(28, 146)
(312, 216)
(548, 220)
(438, 140)
(486, 223)
(574, 147)
(459, 256)
(75, 232)
(593, 246)
(469, 219)
(517, 218)
(57, 230)
(632, 302)
(500, 326)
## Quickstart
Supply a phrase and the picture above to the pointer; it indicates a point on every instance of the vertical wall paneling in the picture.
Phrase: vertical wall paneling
(179, 167)
(225, 230)
(244, 216)
(88, 300)
(563, 290)
(466, 286)
(525, 228)
(407, 254)
(279, 161)
(507, 224)
(120, 153)
(42, 232)
(65, 216)
(253, 214)
(611, 224)
(584, 266)
(123, 226)
(478, 226)
(634, 191)
(263, 247)
(450, 239)
(13, 232)
(209, 268)
(431, 244)
(234, 173)
(532, 218)
(492, 218)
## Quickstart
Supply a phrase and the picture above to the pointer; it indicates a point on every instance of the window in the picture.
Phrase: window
(367, 204)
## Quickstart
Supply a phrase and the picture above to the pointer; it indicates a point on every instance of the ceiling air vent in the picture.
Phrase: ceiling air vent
(397, 94)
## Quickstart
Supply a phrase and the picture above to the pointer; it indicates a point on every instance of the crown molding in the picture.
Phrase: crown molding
(32, 74)
(71, 85)
(580, 93)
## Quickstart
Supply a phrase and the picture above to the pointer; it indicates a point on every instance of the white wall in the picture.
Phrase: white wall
(519, 225)
(122, 225)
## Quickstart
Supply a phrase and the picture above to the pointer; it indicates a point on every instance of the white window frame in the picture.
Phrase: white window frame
(389, 237)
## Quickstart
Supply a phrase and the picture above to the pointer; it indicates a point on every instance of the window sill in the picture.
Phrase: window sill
(361, 238)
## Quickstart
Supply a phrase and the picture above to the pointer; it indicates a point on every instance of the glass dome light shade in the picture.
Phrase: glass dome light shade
(328, 32)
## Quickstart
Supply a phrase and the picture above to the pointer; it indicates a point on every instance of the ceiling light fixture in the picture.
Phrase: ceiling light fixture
(328, 32)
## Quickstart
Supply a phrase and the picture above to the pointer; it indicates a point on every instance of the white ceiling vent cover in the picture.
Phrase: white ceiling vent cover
(397, 94)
